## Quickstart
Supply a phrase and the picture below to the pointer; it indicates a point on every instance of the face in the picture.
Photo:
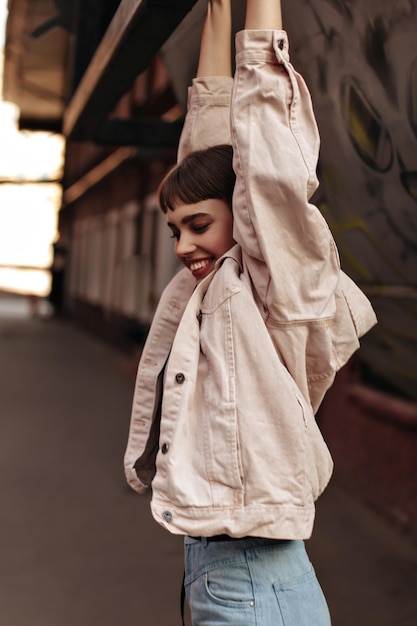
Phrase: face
(202, 233)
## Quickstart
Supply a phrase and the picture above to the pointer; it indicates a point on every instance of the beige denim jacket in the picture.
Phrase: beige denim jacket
(245, 358)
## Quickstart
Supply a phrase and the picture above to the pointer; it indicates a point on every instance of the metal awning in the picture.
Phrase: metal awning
(38, 60)
(138, 30)
(37, 65)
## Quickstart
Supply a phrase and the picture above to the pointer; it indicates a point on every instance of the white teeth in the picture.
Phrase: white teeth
(198, 265)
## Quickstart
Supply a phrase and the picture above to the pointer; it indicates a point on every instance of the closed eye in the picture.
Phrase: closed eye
(199, 228)
(175, 234)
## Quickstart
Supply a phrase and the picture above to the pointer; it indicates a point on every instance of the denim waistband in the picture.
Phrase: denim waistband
(202, 554)
(249, 541)
(206, 540)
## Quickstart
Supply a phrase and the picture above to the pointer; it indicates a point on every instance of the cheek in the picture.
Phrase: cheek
(224, 242)
(228, 234)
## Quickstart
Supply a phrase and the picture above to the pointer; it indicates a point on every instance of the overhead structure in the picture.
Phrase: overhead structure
(68, 62)
(137, 31)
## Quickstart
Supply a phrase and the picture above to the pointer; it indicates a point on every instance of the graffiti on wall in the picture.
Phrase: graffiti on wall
(360, 62)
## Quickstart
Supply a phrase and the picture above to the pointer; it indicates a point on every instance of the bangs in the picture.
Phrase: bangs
(203, 175)
(177, 188)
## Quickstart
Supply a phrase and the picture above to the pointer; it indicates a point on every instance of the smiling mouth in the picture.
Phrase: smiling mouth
(198, 265)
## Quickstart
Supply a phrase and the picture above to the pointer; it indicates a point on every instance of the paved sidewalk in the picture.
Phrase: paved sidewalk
(79, 548)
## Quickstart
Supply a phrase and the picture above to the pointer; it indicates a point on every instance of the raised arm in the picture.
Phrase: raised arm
(263, 15)
(287, 247)
(207, 122)
(215, 51)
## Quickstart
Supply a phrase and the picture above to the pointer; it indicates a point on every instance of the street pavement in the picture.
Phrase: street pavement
(79, 548)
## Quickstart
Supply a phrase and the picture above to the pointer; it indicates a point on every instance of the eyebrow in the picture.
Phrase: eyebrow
(188, 218)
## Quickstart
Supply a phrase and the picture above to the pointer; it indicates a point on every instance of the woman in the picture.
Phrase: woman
(246, 338)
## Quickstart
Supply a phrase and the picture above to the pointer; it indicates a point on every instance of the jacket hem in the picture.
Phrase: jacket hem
(271, 522)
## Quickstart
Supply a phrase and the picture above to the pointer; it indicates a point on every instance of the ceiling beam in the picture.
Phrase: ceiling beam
(144, 132)
(138, 30)
(97, 174)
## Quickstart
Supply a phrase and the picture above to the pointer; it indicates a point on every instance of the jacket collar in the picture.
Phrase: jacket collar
(234, 253)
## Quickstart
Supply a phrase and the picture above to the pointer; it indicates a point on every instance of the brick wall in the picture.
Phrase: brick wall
(373, 439)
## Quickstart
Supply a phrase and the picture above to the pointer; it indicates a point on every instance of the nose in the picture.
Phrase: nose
(184, 245)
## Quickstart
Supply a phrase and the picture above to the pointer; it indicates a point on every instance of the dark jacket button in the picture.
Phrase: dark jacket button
(180, 378)
(167, 515)
(164, 448)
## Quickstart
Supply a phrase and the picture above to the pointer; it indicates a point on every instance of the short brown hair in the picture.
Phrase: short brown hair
(202, 175)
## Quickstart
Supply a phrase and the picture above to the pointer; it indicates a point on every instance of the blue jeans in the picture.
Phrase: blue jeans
(252, 582)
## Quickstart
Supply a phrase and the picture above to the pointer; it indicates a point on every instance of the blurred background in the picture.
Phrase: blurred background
(93, 99)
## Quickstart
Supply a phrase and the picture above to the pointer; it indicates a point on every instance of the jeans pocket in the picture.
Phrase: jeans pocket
(230, 586)
(302, 602)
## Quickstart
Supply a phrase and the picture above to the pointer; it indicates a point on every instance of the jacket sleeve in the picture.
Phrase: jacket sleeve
(287, 247)
(276, 143)
(207, 122)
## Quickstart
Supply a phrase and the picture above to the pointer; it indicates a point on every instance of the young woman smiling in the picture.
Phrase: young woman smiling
(246, 338)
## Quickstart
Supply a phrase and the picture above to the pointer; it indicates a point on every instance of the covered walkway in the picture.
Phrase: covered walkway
(79, 548)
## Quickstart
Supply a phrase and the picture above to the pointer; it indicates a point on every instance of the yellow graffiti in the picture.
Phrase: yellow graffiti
(357, 224)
